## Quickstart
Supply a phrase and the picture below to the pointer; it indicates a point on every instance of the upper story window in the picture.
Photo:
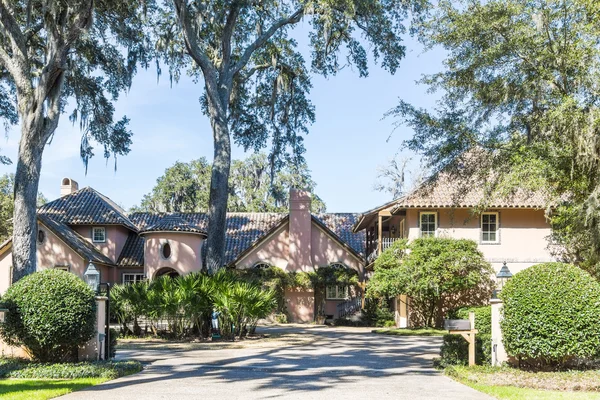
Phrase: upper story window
(337, 265)
(41, 236)
(489, 227)
(262, 265)
(165, 251)
(428, 224)
(98, 234)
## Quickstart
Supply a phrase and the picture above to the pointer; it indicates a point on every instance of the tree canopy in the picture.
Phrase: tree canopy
(256, 81)
(520, 83)
(431, 271)
(185, 187)
(60, 56)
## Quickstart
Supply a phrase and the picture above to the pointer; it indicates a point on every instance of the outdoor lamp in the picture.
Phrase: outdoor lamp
(92, 277)
(393, 229)
(502, 277)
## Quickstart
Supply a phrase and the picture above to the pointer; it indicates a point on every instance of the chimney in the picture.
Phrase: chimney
(68, 186)
(300, 254)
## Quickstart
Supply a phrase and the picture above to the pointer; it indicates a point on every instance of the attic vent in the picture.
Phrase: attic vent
(68, 186)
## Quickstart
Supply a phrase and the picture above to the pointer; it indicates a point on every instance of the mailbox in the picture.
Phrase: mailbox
(457, 324)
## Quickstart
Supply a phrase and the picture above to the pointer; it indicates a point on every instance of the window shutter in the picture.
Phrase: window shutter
(437, 219)
(419, 220)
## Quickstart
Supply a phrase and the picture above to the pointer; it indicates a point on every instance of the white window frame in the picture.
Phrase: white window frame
(63, 267)
(435, 223)
(340, 292)
(137, 277)
(99, 229)
(262, 265)
(497, 232)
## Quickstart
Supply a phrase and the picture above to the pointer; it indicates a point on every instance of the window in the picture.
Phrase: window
(337, 265)
(165, 251)
(262, 265)
(337, 292)
(41, 236)
(98, 234)
(428, 222)
(489, 228)
(62, 267)
(132, 278)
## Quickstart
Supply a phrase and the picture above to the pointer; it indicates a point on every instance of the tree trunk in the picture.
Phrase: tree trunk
(219, 192)
(27, 178)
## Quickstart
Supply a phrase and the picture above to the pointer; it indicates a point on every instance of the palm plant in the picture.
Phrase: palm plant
(132, 300)
(194, 292)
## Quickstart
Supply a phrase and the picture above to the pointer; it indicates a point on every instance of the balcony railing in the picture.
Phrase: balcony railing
(374, 247)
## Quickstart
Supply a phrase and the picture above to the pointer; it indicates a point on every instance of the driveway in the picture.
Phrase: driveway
(331, 363)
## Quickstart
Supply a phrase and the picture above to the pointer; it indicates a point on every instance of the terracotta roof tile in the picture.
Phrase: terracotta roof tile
(132, 254)
(174, 223)
(341, 224)
(86, 207)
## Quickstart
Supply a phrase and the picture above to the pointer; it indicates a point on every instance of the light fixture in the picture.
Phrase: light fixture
(502, 277)
(393, 229)
(92, 277)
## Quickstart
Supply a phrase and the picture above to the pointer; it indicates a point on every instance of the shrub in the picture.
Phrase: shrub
(455, 350)
(551, 314)
(112, 345)
(51, 313)
(22, 369)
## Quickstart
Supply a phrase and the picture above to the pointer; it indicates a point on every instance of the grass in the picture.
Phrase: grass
(512, 384)
(39, 389)
(411, 332)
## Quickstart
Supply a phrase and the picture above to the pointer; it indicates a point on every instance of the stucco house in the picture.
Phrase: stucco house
(84, 226)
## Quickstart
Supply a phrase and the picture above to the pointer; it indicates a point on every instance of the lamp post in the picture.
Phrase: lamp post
(502, 277)
(92, 277)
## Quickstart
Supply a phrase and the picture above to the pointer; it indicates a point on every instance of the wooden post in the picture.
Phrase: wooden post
(380, 235)
(362, 286)
(472, 339)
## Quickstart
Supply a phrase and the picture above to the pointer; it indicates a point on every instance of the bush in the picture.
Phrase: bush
(51, 313)
(112, 345)
(22, 369)
(551, 315)
(455, 350)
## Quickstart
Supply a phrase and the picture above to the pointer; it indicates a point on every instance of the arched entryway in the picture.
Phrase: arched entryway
(166, 272)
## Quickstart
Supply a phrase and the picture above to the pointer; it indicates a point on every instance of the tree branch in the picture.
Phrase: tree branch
(228, 33)
(14, 32)
(191, 42)
(262, 39)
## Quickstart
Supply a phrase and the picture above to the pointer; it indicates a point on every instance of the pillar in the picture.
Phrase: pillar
(499, 355)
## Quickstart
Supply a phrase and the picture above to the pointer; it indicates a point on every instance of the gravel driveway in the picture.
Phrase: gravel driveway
(330, 363)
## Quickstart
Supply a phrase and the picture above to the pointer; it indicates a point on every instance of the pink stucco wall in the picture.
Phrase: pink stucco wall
(185, 252)
(116, 236)
(300, 305)
(274, 251)
(54, 252)
(299, 231)
(523, 235)
(5, 265)
(326, 250)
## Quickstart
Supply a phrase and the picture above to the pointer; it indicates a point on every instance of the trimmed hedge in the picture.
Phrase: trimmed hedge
(51, 313)
(455, 350)
(551, 315)
(18, 368)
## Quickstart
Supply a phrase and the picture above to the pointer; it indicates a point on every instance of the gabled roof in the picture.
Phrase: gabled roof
(86, 207)
(132, 254)
(174, 223)
(76, 242)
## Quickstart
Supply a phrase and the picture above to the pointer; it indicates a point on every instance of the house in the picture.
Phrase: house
(510, 229)
(84, 226)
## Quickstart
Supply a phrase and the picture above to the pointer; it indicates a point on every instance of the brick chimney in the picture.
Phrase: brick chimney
(68, 186)
(300, 255)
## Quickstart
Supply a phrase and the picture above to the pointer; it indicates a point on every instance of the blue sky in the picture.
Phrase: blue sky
(343, 149)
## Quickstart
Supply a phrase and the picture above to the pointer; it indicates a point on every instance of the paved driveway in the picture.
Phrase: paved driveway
(340, 363)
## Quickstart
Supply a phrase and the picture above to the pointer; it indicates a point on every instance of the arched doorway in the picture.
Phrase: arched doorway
(166, 272)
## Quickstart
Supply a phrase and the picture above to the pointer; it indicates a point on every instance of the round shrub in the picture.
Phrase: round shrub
(51, 313)
(551, 315)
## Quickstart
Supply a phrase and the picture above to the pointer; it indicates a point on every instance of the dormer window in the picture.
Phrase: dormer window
(99, 234)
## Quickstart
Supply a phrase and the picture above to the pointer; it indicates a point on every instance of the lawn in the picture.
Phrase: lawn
(37, 389)
(512, 384)
(411, 332)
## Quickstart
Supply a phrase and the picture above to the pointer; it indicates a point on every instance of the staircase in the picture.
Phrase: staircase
(349, 307)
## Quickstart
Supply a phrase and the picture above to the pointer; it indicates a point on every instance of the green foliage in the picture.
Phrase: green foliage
(433, 270)
(455, 350)
(520, 81)
(112, 346)
(7, 203)
(185, 187)
(483, 317)
(551, 313)
(187, 302)
(51, 313)
(22, 369)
